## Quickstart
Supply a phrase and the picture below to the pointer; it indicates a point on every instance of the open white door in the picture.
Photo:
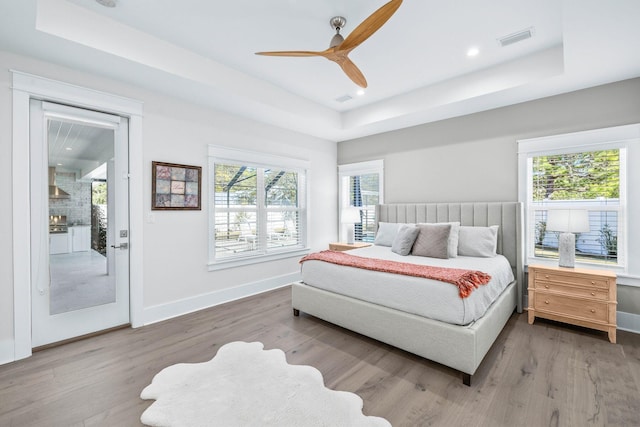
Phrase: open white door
(79, 221)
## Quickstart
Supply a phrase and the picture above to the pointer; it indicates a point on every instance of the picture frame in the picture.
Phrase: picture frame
(175, 186)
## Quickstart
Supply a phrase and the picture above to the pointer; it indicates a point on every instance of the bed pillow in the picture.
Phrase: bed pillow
(386, 233)
(452, 250)
(432, 241)
(478, 241)
(404, 239)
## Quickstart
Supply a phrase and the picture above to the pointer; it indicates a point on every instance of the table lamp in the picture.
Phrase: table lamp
(350, 216)
(567, 222)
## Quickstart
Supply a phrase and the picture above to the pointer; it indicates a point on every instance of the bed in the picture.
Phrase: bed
(460, 344)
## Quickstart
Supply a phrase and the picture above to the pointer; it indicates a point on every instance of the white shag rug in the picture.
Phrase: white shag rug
(245, 385)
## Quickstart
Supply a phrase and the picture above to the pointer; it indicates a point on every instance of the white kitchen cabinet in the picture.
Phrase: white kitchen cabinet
(59, 243)
(80, 238)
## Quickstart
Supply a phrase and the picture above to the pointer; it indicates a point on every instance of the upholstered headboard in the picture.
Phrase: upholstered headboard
(507, 215)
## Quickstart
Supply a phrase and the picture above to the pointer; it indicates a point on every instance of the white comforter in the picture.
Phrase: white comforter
(424, 297)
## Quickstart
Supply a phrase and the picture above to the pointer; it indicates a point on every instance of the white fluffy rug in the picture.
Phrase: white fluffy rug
(245, 385)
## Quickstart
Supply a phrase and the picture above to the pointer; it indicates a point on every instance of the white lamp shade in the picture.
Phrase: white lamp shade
(568, 220)
(350, 215)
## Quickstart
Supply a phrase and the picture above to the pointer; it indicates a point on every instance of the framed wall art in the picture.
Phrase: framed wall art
(175, 187)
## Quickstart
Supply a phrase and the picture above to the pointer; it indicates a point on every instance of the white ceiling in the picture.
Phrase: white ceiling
(416, 64)
(78, 148)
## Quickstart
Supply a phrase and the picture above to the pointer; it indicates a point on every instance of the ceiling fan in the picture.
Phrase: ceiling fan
(340, 47)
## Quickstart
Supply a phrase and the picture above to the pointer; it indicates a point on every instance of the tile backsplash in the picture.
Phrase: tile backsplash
(77, 207)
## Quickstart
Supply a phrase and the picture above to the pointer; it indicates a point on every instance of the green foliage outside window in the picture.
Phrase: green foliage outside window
(577, 176)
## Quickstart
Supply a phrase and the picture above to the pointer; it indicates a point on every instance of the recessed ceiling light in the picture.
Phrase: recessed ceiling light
(107, 3)
(68, 148)
(59, 164)
(473, 51)
(360, 92)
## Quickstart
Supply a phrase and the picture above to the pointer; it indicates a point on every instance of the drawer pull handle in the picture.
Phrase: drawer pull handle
(593, 283)
(593, 294)
(546, 301)
(593, 310)
(546, 286)
(546, 276)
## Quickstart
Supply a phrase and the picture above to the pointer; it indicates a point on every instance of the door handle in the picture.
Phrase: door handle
(121, 246)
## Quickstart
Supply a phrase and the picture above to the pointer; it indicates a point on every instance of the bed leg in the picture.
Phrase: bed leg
(466, 379)
(296, 312)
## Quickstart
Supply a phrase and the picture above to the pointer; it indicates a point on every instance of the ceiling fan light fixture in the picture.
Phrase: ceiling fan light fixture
(336, 40)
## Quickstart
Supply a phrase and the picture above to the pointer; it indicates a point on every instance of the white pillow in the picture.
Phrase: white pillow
(452, 250)
(386, 233)
(478, 241)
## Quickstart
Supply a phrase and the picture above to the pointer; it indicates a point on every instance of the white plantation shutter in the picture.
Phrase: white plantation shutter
(258, 206)
(361, 187)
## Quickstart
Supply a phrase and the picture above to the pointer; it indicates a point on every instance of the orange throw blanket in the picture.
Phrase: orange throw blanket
(465, 280)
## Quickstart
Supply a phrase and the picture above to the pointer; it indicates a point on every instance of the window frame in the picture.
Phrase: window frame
(586, 141)
(344, 173)
(259, 160)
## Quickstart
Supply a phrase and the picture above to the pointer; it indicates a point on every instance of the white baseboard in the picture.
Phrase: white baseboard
(628, 322)
(7, 351)
(166, 311)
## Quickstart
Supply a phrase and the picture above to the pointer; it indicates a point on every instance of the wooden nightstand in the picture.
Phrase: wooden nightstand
(347, 246)
(574, 295)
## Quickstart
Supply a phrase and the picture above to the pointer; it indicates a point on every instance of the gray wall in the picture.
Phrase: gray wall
(474, 157)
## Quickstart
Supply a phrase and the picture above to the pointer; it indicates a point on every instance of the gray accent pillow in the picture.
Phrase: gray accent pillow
(386, 233)
(478, 241)
(403, 242)
(432, 241)
(452, 250)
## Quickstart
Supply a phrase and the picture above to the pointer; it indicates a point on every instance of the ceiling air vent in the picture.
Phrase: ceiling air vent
(516, 37)
(344, 98)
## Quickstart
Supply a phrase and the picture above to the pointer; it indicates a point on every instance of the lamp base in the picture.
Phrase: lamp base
(351, 234)
(567, 250)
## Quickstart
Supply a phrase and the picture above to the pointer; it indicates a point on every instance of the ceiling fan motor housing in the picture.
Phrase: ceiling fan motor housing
(337, 23)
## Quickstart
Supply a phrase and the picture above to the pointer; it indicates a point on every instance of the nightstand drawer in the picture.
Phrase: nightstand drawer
(593, 293)
(572, 279)
(582, 308)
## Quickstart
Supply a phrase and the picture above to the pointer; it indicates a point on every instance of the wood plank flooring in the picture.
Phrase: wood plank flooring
(545, 374)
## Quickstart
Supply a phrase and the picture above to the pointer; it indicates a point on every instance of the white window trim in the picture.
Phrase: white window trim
(220, 154)
(618, 137)
(360, 168)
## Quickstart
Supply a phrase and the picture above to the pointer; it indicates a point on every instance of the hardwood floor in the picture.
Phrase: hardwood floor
(545, 374)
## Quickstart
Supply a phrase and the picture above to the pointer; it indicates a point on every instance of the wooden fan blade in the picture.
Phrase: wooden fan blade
(352, 72)
(370, 25)
(292, 53)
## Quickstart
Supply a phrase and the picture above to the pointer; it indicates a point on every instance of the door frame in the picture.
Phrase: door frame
(26, 86)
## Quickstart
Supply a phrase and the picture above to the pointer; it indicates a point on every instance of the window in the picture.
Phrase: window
(258, 207)
(581, 171)
(361, 187)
